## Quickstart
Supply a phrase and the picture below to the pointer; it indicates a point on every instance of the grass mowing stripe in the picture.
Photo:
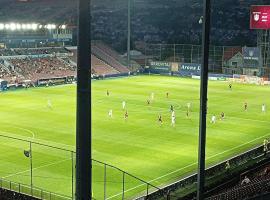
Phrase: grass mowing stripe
(47, 165)
(139, 145)
(189, 165)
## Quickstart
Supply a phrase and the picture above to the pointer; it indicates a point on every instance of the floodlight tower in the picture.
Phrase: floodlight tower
(128, 33)
(260, 20)
(263, 42)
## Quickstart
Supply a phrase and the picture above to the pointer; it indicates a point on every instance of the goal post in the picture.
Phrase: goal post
(250, 79)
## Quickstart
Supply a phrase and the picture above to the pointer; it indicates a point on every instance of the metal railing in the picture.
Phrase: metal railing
(45, 168)
(31, 191)
(214, 173)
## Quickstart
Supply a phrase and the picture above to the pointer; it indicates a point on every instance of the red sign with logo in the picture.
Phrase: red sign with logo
(260, 17)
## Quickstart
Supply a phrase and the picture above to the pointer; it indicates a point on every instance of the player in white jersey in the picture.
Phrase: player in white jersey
(173, 121)
(49, 104)
(188, 106)
(110, 113)
(213, 119)
(124, 105)
(173, 113)
(263, 108)
(152, 96)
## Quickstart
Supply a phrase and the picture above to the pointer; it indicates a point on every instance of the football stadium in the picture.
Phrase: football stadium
(147, 108)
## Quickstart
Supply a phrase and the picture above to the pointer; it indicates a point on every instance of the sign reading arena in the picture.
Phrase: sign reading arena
(260, 17)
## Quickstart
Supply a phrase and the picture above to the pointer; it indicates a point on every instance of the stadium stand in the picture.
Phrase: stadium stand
(32, 64)
(109, 51)
(252, 184)
(29, 9)
(38, 68)
(73, 57)
(7, 52)
(121, 59)
(101, 68)
(106, 54)
(9, 195)
(6, 73)
(19, 64)
(33, 51)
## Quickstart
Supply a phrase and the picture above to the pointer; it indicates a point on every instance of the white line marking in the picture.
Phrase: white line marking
(23, 129)
(26, 130)
(45, 142)
(47, 165)
(190, 165)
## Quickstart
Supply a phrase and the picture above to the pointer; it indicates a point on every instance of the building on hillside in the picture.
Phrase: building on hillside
(245, 61)
(263, 42)
(233, 64)
(252, 61)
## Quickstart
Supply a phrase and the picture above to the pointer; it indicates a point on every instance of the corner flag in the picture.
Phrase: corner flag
(27, 153)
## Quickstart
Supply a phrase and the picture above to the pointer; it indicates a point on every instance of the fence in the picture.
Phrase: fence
(31, 191)
(34, 168)
(213, 175)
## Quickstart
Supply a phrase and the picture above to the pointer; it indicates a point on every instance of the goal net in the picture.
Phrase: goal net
(249, 79)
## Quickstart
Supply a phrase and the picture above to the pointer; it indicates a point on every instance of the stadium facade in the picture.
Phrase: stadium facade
(17, 35)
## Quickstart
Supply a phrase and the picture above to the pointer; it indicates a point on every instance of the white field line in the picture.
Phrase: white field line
(26, 130)
(46, 142)
(247, 119)
(42, 166)
(20, 128)
(187, 166)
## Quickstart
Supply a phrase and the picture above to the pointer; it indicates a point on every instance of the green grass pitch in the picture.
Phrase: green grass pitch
(138, 145)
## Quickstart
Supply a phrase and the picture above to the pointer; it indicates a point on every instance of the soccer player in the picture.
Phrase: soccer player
(167, 94)
(124, 105)
(188, 106)
(173, 121)
(126, 115)
(245, 106)
(171, 108)
(213, 119)
(173, 113)
(222, 116)
(152, 96)
(227, 166)
(265, 146)
(187, 113)
(49, 104)
(160, 119)
(230, 86)
(110, 113)
(263, 108)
